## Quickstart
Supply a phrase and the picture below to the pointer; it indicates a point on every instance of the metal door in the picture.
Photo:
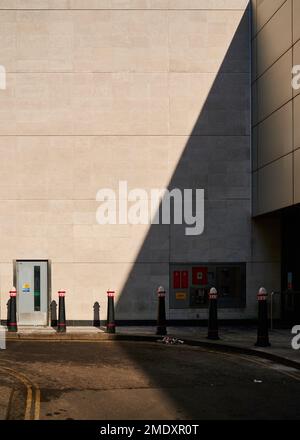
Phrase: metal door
(32, 286)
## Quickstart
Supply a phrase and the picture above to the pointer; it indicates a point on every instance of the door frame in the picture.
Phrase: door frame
(34, 260)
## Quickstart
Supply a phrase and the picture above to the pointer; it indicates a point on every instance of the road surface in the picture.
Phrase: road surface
(141, 380)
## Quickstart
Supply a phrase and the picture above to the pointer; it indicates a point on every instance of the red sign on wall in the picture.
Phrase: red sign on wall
(176, 279)
(180, 279)
(184, 279)
(199, 276)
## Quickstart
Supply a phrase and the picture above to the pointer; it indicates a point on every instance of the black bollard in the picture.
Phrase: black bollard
(61, 324)
(213, 331)
(161, 313)
(263, 325)
(110, 322)
(12, 323)
(8, 312)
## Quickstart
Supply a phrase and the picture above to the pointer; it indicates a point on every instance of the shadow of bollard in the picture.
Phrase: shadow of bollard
(96, 320)
(53, 313)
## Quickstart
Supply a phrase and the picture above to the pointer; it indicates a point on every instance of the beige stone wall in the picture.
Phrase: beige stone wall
(149, 91)
(276, 106)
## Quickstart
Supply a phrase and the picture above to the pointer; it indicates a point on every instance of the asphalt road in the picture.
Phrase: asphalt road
(139, 380)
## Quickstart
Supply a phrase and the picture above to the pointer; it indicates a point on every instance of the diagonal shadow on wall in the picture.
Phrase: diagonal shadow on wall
(216, 157)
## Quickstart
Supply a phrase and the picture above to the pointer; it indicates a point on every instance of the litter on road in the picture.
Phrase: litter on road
(169, 340)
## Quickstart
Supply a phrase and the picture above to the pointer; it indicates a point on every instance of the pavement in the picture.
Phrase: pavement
(238, 339)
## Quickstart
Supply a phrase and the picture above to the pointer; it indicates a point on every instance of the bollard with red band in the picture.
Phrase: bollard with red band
(263, 325)
(12, 323)
(8, 312)
(161, 313)
(213, 330)
(61, 323)
(110, 322)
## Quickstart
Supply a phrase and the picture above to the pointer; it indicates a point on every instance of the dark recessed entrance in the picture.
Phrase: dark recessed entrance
(290, 278)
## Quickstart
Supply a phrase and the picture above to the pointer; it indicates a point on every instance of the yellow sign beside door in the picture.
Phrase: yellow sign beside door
(26, 288)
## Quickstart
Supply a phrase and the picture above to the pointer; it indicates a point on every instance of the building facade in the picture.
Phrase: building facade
(154, 93)
(276, 134)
